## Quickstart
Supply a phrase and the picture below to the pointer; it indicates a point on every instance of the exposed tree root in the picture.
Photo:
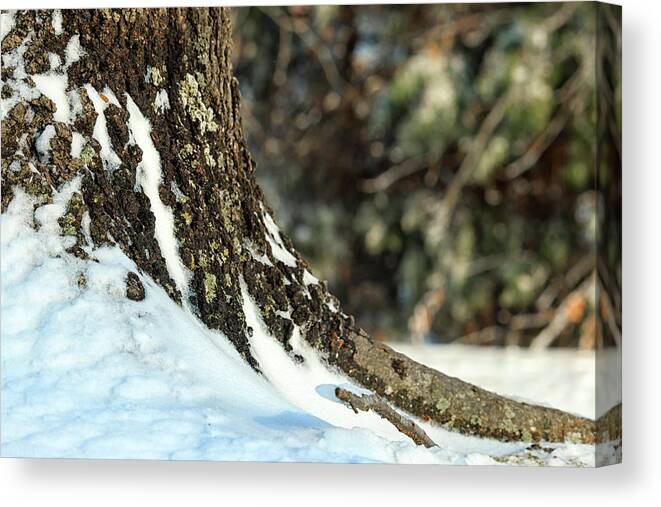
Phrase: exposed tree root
(374, 402)
(462, 407)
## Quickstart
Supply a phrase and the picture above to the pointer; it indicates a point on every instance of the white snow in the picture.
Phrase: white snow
(43, 143)
(178, 194)
(54, 85)
(110, 95)
(276, 243)
(16, 81)
(54, 61)
(74, 101)
(57, 21)
(7, 22)
(309, 278)
(77, 144)
(161, 102)
(15, 58)
(86, 372)
(149, 177)
(110, 159)
(73, 52)
(256, 255)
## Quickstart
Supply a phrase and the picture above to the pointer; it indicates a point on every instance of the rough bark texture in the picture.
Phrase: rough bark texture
(219, 211)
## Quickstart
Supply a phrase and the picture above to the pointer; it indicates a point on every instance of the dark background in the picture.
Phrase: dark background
(437, 163)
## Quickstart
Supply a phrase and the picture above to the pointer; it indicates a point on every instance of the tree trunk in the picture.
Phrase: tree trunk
(178, 196)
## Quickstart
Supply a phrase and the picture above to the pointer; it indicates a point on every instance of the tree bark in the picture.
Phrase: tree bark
(174, 66)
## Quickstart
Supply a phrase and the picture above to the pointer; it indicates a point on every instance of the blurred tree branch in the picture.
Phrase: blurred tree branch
(314, 43)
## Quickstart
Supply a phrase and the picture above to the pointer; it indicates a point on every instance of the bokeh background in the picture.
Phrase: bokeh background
(449, 169)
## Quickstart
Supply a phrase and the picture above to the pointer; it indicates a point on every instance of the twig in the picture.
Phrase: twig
(571, 97)
(485, 336)
(321, 50)
(580, 270)
(606, 308)
(540, 145)
(525, 321)
(391, 175)
(484, 20)
(374, 402)
(468, 166)
(284, 57)
(562, 317)
(432, 301)
(609, 283)
(424, 312)
(560, 18)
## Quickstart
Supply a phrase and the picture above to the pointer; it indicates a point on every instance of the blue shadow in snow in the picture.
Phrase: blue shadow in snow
(328, 390)
(290, 419)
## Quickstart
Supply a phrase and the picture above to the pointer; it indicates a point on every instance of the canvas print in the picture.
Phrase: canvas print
(346, 234)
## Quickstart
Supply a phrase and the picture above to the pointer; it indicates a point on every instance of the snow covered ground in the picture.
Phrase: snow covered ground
(87, 372)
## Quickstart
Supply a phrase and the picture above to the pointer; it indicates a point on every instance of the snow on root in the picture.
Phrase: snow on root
(303, 384)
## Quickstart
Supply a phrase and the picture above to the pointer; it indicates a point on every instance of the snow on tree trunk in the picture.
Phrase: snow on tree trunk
(143, 107)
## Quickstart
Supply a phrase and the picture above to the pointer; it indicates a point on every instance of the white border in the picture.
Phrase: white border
(636, 482)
